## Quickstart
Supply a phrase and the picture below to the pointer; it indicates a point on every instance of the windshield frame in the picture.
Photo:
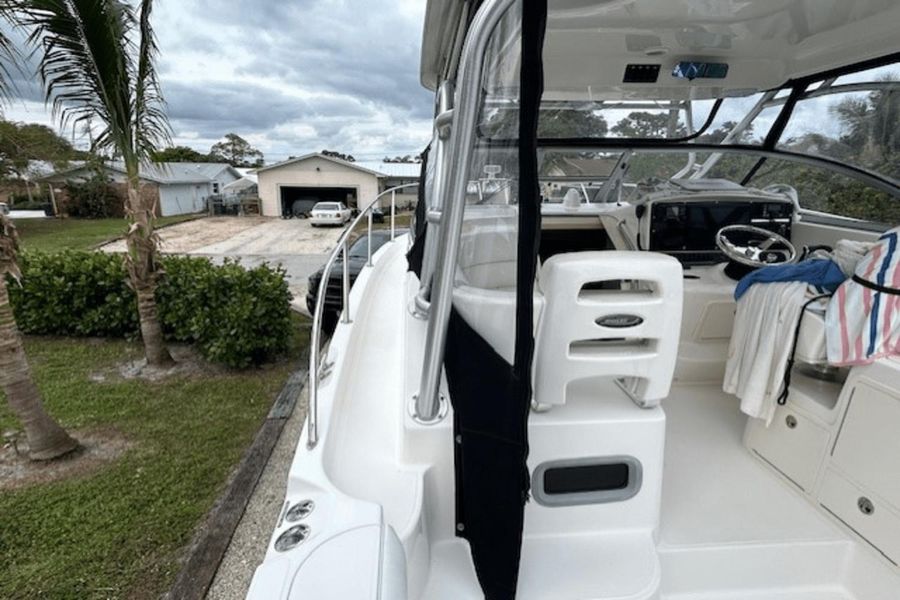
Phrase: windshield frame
(798, 88)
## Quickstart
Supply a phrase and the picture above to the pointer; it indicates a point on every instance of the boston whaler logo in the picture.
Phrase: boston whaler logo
(620, 321)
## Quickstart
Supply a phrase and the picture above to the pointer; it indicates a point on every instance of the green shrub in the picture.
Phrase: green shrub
(74, 294)
(94, 198)
(234, 316)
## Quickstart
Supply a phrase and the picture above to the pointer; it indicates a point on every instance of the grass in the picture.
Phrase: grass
(54, 235)
(402, 221)
(119, 532)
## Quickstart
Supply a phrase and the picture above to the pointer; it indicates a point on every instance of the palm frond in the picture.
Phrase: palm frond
(151, 124)
(94, 72)
(9, 54)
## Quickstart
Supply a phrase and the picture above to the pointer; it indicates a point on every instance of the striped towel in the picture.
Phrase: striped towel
(863, 318)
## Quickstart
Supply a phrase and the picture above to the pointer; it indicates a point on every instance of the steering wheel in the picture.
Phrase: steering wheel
(762, 247)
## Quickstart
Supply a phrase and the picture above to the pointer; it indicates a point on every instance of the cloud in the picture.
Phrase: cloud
(292, 77)
(303, 75)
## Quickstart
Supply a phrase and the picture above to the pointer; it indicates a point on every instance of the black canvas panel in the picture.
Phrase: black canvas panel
(491, 449)
(417, 252)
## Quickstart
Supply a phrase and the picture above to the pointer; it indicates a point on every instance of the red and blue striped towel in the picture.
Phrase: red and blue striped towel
(863, 318)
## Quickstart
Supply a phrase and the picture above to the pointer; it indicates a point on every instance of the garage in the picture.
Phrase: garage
(299, 200)
(313, 178)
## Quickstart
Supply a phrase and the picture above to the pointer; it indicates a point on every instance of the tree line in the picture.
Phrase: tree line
(868, 127)
(231, 149)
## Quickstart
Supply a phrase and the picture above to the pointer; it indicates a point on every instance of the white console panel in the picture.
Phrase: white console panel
(841, 446)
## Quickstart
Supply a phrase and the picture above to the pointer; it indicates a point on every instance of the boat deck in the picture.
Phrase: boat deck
(715, 491)
(731, 529)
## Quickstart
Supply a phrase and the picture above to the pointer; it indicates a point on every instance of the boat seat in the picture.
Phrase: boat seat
(484, 293)
(608, 315)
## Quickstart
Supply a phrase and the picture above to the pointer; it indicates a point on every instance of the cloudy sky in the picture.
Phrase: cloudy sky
(291, 76)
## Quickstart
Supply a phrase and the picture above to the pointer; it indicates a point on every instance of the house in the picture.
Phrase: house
(303, 181)
(26, 183)
(181, 188)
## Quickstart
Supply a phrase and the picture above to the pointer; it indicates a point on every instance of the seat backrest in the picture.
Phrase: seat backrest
(608, 314)
(487, 253)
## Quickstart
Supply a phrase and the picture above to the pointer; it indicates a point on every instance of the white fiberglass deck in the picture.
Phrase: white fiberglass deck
(731, 530)
(714, 491)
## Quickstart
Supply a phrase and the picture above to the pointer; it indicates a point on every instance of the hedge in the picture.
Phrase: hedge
(235, 316)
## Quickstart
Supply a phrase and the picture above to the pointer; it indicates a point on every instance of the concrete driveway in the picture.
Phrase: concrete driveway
(294, 244)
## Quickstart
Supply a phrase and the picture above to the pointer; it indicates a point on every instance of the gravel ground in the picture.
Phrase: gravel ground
(275, 236)
(186, 237)
(248, 545)
(294, 244)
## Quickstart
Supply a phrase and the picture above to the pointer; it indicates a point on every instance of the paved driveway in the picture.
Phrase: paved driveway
(294, 244)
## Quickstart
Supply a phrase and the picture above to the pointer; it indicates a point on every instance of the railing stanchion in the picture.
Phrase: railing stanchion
(369, 245)
(393, 212)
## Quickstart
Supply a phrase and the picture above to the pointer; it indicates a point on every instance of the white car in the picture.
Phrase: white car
(4, 208)
(329, 213)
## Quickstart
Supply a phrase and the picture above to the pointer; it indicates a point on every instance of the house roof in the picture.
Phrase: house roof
(299, 159)
(376, 168)
(168, 173)
(243, 183)
(400, 170)
(38, 169)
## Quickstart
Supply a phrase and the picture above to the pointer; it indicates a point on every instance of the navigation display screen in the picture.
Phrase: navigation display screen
(692, 227)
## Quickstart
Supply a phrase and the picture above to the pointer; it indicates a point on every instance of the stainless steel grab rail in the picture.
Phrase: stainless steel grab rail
(341, 248)
(453, 183)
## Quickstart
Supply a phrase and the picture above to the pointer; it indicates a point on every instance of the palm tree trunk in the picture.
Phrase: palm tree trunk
(46, 439)
(144, 271)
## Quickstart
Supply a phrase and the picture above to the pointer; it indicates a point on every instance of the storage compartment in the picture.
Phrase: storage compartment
(793, 444)
(816, 395)
(868, 446)
(865, 513)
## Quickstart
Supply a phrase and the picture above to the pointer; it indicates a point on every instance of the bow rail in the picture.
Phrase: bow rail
(316, 368)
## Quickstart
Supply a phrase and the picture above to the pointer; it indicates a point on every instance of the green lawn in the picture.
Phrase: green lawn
(119, 532)
(53, 235)
(402, 221)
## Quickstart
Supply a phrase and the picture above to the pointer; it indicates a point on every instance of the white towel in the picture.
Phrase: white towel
(761, 344)
(848, 254)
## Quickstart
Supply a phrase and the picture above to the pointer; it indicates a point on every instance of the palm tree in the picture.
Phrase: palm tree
(46, 439)
(97, 67)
